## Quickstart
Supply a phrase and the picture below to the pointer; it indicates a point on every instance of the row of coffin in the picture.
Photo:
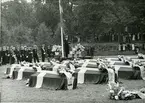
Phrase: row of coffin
(86, 71)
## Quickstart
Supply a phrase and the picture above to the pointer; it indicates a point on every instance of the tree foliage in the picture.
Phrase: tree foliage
(37, 22)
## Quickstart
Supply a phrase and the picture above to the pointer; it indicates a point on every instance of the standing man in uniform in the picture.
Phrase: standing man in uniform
(7, 54)
(13, 58)
(22, 53)
(30, 54)
(0, 55)
(35, 54)
(49, 52)
(18, 54)
(43, 52)
(4, 55)
(26, 53)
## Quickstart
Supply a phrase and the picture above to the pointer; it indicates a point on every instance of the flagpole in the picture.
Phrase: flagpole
(1, 23)
(61, 27)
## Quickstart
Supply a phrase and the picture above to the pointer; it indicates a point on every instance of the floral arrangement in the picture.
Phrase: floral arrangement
(127, 59)
(56, 48)
(120, 57)
(124, 59)
(77, 63)
(77, 50)
(138, 62)
(141, 56)
(103, 64)
(119, 93)
(24, 63)
(66, 67)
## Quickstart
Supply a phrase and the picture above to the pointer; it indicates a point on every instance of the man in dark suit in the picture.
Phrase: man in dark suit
(35, 54)
(66, 47)
(43, 52)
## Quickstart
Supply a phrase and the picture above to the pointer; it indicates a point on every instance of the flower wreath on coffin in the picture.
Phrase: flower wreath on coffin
(138, 65)
(105, 67)
(77, 50)
(68, 70)
(126, 60)
(141, 56)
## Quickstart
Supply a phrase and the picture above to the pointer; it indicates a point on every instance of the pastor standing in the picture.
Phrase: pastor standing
(66, 47)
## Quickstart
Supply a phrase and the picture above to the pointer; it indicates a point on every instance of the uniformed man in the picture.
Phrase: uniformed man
(35, 54)
(0, 55)
(30, 54)
(7, 54)
(49, 53)
(18, 54)
(26, 53)
(12, 55)
(43, 52)
(22, 53)
(4, 54)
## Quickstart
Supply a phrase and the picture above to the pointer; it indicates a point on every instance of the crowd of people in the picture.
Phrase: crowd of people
(12, 54)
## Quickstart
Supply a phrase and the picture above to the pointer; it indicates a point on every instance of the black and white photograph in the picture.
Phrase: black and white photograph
(72, 51)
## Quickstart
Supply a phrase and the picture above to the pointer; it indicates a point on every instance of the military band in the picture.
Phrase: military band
(18, 54)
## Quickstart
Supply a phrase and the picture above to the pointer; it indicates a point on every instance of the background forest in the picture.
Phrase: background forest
(37, 22)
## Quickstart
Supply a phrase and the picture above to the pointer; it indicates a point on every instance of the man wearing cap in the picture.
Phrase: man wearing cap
(18, 53)
(43, 52)
(4, 55)
(0, 54)
(35, 54)
(22, 53)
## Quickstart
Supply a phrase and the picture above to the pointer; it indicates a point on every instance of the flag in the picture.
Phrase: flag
(60, 7)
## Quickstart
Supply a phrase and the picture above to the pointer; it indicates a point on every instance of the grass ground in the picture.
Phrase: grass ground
(13, 91)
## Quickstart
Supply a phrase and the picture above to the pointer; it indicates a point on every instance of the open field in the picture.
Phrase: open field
(13, 91)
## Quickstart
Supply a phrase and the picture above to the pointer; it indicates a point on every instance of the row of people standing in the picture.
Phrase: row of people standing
(24, 53)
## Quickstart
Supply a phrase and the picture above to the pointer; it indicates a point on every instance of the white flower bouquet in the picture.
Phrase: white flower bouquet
(77, 50)
(120, 57)
(103, 65)
(56, 48)
(119, 93)
(141, 56)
